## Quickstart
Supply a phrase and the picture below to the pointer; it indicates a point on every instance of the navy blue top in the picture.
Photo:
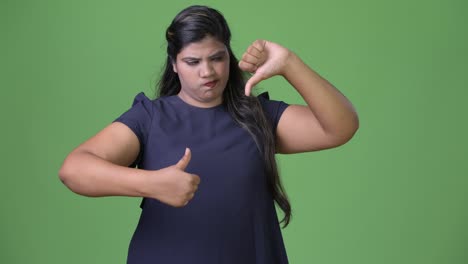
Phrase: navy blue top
(232, 217)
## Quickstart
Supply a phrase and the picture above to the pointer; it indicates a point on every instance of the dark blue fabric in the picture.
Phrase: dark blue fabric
(232, 217)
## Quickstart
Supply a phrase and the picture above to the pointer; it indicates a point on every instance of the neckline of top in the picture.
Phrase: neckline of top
(182, 102)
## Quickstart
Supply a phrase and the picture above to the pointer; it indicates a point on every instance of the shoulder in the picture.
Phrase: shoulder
(144, 103)
(273, 108)
(268, 104)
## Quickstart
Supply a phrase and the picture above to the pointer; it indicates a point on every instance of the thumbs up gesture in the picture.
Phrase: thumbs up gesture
(263, 59)
(173, 185)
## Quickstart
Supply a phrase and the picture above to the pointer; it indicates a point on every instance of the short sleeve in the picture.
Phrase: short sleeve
(273, 109)
(138, 118)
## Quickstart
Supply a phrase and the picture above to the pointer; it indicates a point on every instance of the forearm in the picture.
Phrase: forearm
(335, 113)
(89, 175)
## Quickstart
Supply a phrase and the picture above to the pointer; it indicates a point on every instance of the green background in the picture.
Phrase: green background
(396, 193)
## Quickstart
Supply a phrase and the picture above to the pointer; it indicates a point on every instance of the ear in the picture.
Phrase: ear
(174, 67)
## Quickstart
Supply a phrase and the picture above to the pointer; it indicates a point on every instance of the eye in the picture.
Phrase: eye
(191, 62)
(218, 58)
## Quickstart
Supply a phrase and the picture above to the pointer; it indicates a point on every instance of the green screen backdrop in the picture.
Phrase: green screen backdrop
(396, 193)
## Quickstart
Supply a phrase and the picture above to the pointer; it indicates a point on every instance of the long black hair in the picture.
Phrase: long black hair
(192, 25)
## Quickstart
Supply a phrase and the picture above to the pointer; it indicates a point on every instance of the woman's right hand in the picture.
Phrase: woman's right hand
(172, 185)
(99, 167)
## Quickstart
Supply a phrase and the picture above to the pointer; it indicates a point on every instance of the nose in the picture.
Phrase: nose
(206, 70)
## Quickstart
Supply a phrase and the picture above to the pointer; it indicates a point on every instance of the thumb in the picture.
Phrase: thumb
(184, 161)
(254, 80)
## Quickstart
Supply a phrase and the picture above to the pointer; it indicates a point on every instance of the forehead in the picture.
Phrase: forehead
(205, 47)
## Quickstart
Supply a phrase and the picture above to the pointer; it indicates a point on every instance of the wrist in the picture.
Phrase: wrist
(151, 183)
(141, 183)
(292, 60)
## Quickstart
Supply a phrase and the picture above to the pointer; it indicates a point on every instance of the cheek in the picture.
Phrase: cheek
(186, 73)
(224, 68)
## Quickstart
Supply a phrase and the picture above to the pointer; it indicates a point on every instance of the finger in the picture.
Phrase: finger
(248, 67)
(184, 161)
(252, 50)
(250, 59)
(189, 196)
(195, 179)
(254, 80)
(259, 44)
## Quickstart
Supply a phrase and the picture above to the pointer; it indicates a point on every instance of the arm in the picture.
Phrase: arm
(98, 167)
(329, 119)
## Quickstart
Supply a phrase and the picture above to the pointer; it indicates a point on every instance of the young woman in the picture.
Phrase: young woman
(203, 153)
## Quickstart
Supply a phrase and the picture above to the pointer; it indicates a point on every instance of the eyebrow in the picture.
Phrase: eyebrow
(216, 54)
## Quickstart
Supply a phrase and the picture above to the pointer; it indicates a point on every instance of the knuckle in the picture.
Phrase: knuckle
(258, 43)
(181, 203)
(194, 180)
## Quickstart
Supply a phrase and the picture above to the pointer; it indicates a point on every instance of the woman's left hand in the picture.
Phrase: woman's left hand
(263, 59)
(327, 121)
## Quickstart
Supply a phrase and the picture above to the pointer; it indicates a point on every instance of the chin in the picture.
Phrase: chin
(211, 96)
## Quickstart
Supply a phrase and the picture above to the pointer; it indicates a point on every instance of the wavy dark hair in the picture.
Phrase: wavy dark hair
(192, 25)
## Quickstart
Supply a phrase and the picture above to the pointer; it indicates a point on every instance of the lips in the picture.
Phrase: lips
(211, 84)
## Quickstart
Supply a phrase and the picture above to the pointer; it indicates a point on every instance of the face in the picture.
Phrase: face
(203, 70)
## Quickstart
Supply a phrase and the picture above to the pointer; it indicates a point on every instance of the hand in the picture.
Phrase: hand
(174, 186)
(264, 59)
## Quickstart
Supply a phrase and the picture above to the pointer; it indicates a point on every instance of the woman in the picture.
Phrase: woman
(205, 148)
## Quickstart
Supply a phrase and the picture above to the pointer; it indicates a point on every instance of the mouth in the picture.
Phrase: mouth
(211, 84)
